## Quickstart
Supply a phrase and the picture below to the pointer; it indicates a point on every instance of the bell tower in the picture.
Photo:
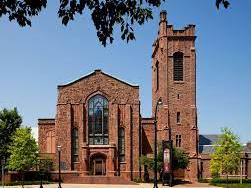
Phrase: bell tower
(174, 81)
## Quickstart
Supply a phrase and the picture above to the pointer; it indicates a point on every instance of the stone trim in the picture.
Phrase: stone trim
(93, 73)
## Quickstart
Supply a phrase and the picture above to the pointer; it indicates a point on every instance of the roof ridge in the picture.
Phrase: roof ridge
(96, 71)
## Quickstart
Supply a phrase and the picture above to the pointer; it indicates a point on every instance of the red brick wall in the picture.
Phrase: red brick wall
(147, 137)
(205, 166)
(44, 126)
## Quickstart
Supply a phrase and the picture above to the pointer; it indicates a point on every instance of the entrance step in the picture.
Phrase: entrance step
(98, 180)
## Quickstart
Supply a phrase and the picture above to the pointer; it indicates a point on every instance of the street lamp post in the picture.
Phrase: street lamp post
(159, 103)
(41, 178)
(59, 166)
(3, 163)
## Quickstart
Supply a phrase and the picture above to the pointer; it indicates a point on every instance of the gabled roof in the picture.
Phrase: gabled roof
(206, 149)
(209, 139)
(207, 143)
(97, 71)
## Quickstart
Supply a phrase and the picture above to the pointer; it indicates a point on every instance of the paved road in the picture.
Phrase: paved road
(143, 185)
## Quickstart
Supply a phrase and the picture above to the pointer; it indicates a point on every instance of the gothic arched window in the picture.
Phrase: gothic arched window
(121, 144)
(75, 144)
(178, 66)
(98, 120)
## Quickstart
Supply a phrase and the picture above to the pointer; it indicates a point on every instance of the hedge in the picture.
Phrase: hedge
(219, 180)
(25, 183)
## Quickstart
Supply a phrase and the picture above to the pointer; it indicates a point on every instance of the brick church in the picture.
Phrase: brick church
(98, 121)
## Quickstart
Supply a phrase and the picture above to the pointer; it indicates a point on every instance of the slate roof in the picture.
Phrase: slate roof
(207, 143)
(206, 149)
(209, 139)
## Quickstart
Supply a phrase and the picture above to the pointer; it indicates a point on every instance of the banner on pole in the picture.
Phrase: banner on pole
(166, 157)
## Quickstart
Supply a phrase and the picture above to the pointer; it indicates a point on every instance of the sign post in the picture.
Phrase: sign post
(167, 177)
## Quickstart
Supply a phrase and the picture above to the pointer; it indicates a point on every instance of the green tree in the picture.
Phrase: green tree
(105, 14)
(180, 160)
(10, 121)
(24, 151)
(226, 157)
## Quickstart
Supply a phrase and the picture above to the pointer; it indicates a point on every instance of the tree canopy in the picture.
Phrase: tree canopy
(10, 121)
(105, 14)
(180, 160)
(226, 158)
(23, 151)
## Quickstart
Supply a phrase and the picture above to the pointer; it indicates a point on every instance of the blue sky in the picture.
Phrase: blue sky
(35, 60)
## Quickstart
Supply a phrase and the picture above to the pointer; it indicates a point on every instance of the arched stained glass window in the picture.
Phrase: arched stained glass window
(121, 144)
(178, 66)
(98, 120)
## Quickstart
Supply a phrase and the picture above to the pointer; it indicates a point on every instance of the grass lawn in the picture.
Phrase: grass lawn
(233, 185)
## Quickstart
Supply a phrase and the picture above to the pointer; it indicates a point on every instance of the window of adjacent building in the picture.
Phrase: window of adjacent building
(178, 140)
(157, 75)
(98, 120)
(121, 144)
(75, 144)
(178, 118)
(50, 142)
(178, 66)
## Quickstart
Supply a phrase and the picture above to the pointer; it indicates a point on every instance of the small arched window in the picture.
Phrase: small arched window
(75, 144)
(121, 144)
(178, 118)
(178, 66)
(98, 120)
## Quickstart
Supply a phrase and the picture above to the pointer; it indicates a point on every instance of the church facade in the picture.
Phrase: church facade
(98, 122)
(98, 126)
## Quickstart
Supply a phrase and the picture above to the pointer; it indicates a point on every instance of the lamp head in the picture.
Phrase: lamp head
(160, 103)
(59, 147)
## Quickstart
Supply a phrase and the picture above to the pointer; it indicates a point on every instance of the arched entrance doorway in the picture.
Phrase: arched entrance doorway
(98, 164)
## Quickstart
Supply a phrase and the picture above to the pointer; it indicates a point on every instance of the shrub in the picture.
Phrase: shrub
(230, 181)
(204, 180)
(138, 180)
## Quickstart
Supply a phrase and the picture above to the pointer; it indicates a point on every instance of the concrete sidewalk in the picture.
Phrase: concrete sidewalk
(142, 185)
